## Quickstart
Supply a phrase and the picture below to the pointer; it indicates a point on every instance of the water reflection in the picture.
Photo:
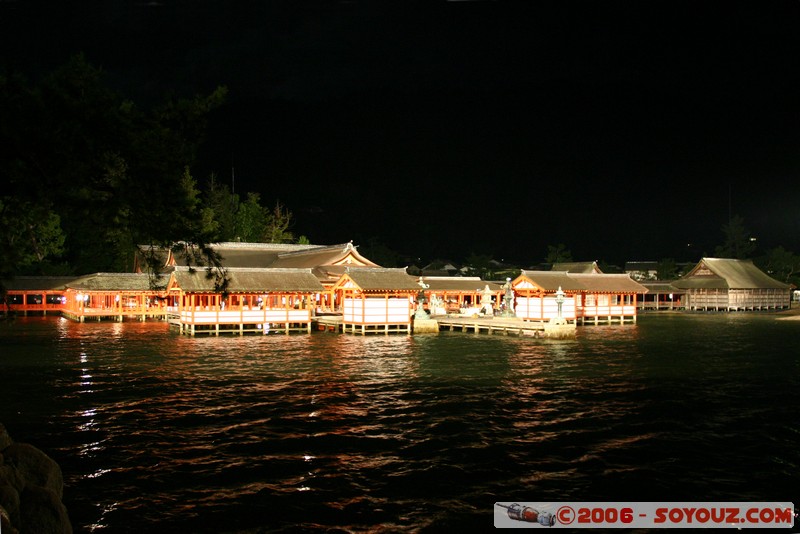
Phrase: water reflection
(158, 431)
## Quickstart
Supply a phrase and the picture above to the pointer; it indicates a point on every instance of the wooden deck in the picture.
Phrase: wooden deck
(241, 321)
(327, 323)
(106, 314)
(490, 325)
(336, 323)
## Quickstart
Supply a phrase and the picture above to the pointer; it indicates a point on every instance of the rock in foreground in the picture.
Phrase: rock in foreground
(31, 487)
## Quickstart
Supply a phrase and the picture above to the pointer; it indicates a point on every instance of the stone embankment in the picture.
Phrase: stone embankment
(31, 489)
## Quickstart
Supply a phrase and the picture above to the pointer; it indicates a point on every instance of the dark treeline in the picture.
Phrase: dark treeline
(88, 176)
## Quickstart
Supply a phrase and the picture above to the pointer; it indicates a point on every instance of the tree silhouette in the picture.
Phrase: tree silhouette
(738, 242)
(558, 254)
(90, 176)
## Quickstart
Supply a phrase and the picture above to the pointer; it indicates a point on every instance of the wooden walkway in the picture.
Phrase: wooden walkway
(490, 325)
(487, 325)
(99, 314)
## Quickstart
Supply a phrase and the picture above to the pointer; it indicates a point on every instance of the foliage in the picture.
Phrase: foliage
(782, 265)
(98, 174)
(278, 225)
(30, 233)
(379, 253)
(609, 268)
(738, 242)
(220, 209)
(508, 272)
(558, 254)
(667, 269)
(227, 218)
(251, 220)
(480, 265)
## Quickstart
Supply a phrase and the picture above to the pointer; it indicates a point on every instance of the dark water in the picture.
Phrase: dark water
(161, 432)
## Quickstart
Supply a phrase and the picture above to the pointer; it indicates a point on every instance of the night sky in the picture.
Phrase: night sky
(625, 130)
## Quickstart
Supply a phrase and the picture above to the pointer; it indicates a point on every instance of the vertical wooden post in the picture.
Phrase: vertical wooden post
(541, 306)
(215, 303)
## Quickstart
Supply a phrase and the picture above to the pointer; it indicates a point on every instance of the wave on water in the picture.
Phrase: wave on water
(156, 430)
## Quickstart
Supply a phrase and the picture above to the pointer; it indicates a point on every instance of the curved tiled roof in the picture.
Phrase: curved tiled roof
(577, 267)
(38, 283)
(114, 282)
(327, 255)
(242, 279)
(609, 283)
(552, 280)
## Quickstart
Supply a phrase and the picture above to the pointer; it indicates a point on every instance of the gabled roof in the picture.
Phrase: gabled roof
(329, 274)
(263, 255)
(161, 256)
(726, 273)
(550, 280)
(248, 280)
(464, 284)
(345, 254)
(580, 267)
(609, 283)
(661, 286)
(113, 282)
(379, 279)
